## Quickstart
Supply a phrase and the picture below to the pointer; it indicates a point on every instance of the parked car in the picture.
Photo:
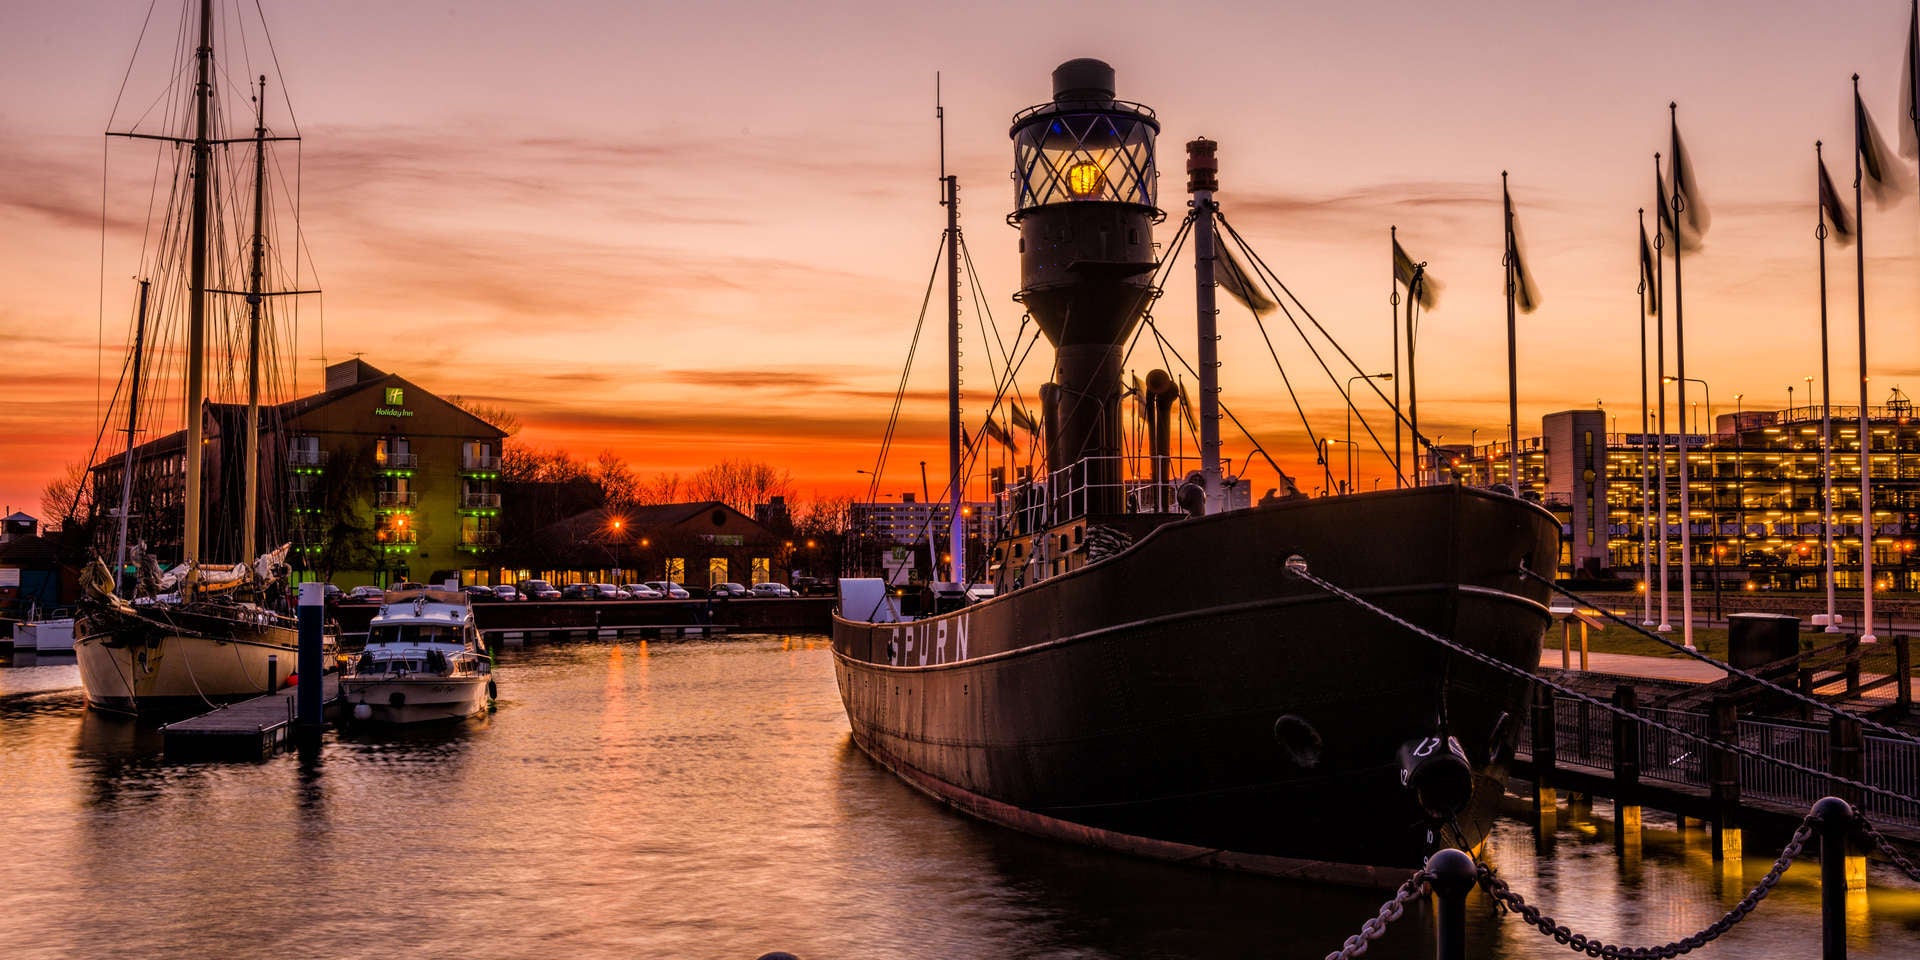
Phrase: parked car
(578, 591)
(367, 594)
(640, 591)
(406, 585)
(538, 590)
(506, 591)
(330, 594)
(607, 591)
(723, 590)
(772, 590)
(669, 589)
(815, 586)
(479, 594)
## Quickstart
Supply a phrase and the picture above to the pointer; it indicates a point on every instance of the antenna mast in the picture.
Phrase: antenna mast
(956, 526)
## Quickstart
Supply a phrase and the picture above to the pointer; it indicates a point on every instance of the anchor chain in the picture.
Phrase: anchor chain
(1510, 902)
(1886, 846)
(1415, 888)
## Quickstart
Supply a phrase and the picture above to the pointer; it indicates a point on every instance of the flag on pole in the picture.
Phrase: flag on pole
(1648, 274)
(997, 433)
(1238, 281)
(1689, 223)
(1910, 88)
(1526, 294)
(1838, 219)
(1023, 420)
(1882, 177)
(1405, 270)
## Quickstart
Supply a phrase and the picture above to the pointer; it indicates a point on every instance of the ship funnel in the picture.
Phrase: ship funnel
(1160, 394)
(1085, 201)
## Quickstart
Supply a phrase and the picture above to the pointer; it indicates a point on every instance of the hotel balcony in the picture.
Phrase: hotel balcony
(394, 500)
(395, 461)
(479, 539)
(306, 458)
(480, 501)
(393, 537)
(479, 463)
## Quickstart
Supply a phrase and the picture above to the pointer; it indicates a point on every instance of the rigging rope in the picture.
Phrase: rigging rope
(900, 392)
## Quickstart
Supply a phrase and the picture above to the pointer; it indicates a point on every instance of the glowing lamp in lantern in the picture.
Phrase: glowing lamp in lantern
(1085, 179)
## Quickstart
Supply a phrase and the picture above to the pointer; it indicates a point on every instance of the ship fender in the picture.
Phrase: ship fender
(1300, 740)
(1437, 771)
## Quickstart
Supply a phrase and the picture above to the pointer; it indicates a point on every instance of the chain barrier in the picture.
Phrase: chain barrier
(1510, 902)
(1887, 849)
(1415, 888)
(1299, 569)
(1789, 692)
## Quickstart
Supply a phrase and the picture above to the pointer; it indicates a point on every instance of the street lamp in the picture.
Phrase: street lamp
(1348, 391)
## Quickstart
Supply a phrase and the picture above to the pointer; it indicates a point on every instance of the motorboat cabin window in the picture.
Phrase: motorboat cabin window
(413, 633)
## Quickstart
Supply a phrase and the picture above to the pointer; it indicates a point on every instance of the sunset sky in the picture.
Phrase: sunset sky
(684, 232)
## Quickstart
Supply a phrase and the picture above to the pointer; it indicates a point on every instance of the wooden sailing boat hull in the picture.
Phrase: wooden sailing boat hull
(149, 665)
(1137, 703)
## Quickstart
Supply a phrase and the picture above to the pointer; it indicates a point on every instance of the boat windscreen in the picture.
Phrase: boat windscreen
(413, 633)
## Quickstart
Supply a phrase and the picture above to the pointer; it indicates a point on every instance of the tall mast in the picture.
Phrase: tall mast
(956, 525)
(1203, 180)
(197, 283)
(250, 518)
(133, 425)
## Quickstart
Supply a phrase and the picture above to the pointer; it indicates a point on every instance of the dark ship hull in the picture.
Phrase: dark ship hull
(1136, 703)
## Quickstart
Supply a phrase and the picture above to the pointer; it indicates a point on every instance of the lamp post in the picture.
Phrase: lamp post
(1346, 486)
(1740, 485)
(1348, 391)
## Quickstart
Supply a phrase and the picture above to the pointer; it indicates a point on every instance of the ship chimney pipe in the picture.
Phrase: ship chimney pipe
(1160, 396)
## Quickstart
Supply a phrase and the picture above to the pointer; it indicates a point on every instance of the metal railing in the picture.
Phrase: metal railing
(396, 461)
(396, 500)
(480, 538)
(479, 501)
(473, 462)
(299, 457)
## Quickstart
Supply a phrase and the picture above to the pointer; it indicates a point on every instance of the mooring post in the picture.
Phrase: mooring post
(273, 672)
(1846, 757)
(1454, 874)
(1626, 764)
(1903, 673)
(1545, 740)
(1723, 770)
(1836, 821)
(312, 618)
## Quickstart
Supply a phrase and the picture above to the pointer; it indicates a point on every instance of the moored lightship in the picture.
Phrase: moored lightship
(1152, 680)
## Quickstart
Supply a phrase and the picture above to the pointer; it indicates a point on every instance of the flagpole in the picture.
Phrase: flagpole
(1646, 492)
(1413, 393)
(1826, 398)
(1393, 324)
(1866, 434)
(1680, 397)
(1513, 392)
(1660, 350)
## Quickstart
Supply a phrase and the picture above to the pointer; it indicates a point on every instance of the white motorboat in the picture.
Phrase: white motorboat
(424, 661)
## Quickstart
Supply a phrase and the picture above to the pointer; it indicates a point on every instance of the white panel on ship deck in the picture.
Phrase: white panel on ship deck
(866, 599)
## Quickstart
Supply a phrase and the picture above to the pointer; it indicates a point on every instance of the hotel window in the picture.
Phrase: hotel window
(392, 452)
(716, 570)
(677, 570)
(762, 569)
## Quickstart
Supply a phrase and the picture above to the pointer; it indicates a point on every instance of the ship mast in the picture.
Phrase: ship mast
(248, 545)
(133, 425)
(956, 525)
(197, 284)
(1201, 180)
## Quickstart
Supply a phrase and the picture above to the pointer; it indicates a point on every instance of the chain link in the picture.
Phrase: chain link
(1510, 902)
(1413, 889)
(1886, 846)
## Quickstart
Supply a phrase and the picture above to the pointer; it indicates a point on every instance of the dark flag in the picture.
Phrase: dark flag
(1023, 420)
(1428, 294)
(1238, 281)
(1834, 209)
(1689, 224)
(996, 432)
(1882, 178)
(1910, 88)
(1648, 274)
(1526, 294)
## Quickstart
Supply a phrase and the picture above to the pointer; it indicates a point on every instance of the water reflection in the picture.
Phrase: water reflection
(704, 799)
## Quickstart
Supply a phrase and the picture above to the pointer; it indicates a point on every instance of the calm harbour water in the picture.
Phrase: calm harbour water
(702, 800)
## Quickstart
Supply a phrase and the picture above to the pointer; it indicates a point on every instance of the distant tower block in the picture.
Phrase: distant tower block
(1085, 202)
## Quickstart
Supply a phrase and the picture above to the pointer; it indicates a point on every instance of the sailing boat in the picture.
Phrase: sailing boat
(200, 632)
(1166, 682)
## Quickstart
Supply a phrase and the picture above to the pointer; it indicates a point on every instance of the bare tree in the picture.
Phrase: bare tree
(616, 479)
(740, 484)
(526, 465)
(498, 416)
(825, 516)
(69, 495)
(662, 488)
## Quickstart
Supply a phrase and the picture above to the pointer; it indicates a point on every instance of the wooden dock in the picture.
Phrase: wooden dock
(250, 730)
